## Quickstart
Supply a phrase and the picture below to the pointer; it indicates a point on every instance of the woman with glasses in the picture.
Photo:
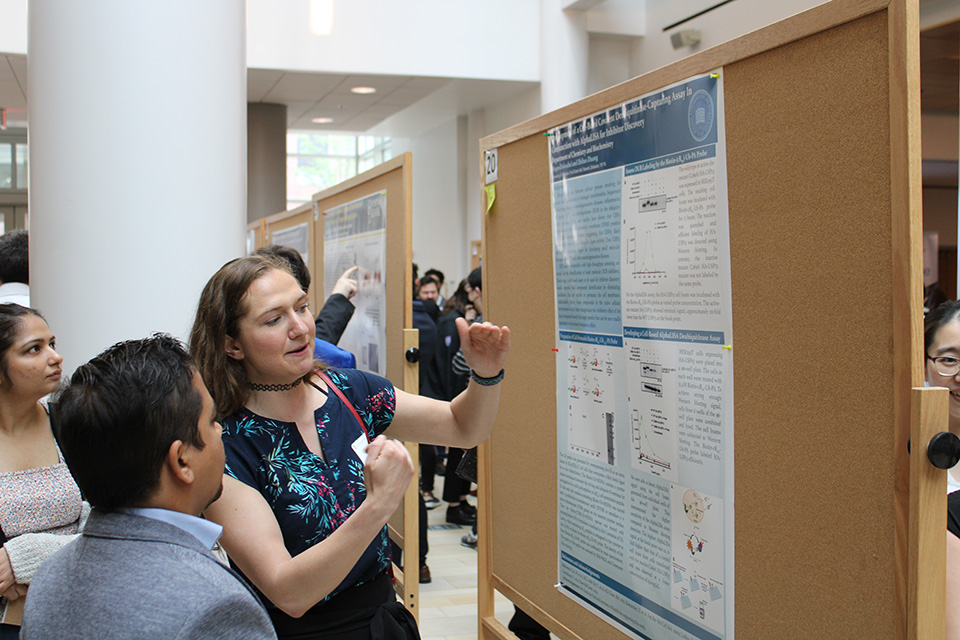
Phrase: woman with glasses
(941, 337)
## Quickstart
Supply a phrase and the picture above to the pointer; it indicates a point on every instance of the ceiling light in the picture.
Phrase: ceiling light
(363, 90)
(322, 120)
(321, 17)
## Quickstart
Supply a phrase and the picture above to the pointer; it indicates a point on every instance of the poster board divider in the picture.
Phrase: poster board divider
(411, 498)
(907, 249)
(885, 227)
(493, 629)
(927, 578)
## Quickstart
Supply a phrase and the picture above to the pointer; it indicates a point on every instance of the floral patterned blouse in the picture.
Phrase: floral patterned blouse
(310, 498)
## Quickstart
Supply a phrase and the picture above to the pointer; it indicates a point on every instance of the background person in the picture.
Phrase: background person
(40, 504)
(438, 276)
(139, 431)
(429, 289)
(15, 268)
(303, 513)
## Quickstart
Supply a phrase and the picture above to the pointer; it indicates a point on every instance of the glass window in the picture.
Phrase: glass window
(21, 166)
(6, 166)
(317, 161)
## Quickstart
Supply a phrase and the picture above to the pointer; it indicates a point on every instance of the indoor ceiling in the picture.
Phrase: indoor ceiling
(325, 95)
(306, 95)
(328, 96)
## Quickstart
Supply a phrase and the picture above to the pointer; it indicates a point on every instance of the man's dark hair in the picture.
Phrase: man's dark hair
(14, 257)
(474, 279)
(293, 258)
(119, 415)
(425, 280)
(436, 273)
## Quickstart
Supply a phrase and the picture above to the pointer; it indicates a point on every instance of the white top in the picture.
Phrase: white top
(15, 292)
(952, 483)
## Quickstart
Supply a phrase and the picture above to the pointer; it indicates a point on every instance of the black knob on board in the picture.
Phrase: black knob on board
(944, 450)
(412, 355)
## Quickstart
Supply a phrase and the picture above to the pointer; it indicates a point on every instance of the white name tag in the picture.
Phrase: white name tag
(359, 447)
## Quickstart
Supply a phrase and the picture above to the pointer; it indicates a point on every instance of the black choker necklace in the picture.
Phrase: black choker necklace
(274, 387)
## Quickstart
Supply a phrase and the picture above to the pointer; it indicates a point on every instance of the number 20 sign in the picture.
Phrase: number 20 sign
(490, 166)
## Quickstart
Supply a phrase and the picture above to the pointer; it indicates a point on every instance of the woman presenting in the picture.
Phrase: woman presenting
(311, 480)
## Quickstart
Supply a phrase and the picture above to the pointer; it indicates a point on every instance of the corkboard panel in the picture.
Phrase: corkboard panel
(816, 319)
(812, 274)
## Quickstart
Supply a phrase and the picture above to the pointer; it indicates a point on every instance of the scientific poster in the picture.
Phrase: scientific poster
(295, 237)
(645, 363)
(356, 234)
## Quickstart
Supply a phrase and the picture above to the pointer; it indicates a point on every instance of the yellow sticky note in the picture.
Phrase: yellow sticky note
(491, 190)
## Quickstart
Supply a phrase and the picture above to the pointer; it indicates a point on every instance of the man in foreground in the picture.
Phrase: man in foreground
(139, 432)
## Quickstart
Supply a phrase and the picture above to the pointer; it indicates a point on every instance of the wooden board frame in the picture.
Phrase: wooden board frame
(259, 229)
(393, 176)
(822, 113)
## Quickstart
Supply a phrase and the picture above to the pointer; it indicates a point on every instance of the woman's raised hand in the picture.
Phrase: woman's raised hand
(387, 473)
(485, 347)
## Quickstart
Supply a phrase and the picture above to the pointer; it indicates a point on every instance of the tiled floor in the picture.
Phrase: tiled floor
(448, 605)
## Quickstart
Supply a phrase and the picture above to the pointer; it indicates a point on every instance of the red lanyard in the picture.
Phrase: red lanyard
(343, 399)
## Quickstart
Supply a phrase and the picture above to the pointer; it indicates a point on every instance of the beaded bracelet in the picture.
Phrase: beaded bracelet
(487, 382)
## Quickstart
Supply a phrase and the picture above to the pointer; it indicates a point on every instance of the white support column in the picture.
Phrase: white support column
(137, 115)
(564, 55)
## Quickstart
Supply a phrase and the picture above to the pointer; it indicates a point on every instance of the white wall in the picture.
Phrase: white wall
(720, 25)
(493, 39)
(447, 205)
(13, 26)
(609, 62)
(439, 235)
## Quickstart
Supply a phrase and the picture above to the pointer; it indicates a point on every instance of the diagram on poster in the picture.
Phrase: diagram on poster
(355, 234)
(651, 374)
(697, 555)
(591, 410)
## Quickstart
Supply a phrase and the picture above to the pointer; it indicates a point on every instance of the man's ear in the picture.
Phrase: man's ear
(233, 348)
(178, 462)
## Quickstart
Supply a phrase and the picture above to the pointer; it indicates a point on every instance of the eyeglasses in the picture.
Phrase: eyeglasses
(946, 365)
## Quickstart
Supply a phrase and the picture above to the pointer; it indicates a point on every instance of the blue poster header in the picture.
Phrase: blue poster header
(587, 338)
(672, 160)
(676, 119)
(674, 335)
